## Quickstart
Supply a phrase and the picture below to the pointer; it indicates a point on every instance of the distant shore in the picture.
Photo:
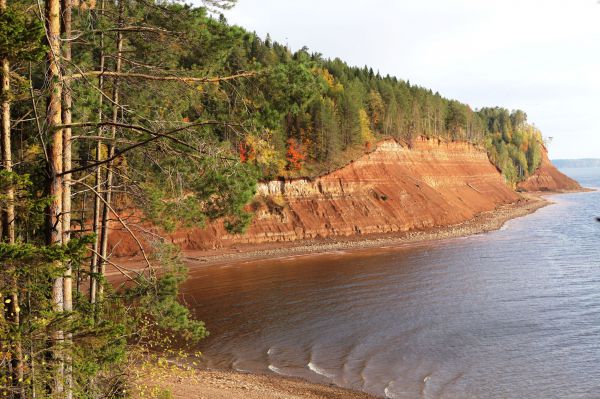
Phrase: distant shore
(482, 223)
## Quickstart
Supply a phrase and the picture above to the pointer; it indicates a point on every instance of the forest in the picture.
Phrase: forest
(311, 114)
(152, 112)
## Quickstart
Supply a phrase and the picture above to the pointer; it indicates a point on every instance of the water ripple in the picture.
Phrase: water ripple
(514, 313)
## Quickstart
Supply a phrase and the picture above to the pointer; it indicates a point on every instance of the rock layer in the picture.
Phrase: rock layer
(548, 178)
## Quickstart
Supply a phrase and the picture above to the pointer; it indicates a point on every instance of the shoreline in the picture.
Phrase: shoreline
(199, 382)
(482, 223)
(191, 383)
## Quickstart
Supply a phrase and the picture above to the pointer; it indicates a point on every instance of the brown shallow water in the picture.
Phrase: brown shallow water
(509, 314)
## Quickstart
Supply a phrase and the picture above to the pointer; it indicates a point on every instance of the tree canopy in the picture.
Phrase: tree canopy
(330, 111)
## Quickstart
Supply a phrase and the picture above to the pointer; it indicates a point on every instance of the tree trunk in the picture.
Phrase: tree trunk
(8, 218)
(55, 185)
(98, 174)
(67, 101)
(8, 228)
(67, 120)
(111, 153)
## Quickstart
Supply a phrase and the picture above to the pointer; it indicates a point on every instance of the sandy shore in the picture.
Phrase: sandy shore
(177, 383)
(482, 223)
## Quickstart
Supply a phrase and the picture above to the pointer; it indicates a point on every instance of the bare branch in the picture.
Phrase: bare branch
(183, 79)
(120, 269)
(155, 136)
(133, 28)
(125, 226)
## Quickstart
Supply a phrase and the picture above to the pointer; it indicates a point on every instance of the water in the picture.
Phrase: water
(509, 314)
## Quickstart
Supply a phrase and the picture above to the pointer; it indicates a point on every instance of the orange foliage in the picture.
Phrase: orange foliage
(295, 155)
(246, 152)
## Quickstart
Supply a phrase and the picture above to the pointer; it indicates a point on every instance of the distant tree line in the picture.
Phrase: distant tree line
(577, 163)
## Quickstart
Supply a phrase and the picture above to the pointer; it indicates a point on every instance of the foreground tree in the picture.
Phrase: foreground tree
(11, 304)
(19, 41)
(72, 352)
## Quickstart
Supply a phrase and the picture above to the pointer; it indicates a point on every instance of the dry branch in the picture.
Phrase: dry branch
(155, 136)
(143, 76)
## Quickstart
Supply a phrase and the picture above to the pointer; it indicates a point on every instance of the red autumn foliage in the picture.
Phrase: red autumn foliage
(245, 152)
(295, 155)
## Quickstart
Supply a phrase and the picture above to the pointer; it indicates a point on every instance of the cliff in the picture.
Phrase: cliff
(395, 188)
(392, 189)
(548, 178)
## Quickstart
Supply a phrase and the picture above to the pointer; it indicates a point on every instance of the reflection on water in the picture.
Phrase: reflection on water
(510, 314)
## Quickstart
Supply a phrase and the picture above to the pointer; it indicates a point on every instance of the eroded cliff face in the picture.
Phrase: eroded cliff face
(548, 178)
(392, 189)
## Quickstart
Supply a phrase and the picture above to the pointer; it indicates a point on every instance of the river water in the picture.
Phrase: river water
(509, 314)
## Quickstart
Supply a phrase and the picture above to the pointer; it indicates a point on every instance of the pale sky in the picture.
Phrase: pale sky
(542, 56)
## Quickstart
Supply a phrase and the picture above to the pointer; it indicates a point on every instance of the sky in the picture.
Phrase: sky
(541, 56)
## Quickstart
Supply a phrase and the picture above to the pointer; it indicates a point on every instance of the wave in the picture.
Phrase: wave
(316, 369)
(424, 388)
(241, 370)
(234, 366)
(276, 370)
(388, 392)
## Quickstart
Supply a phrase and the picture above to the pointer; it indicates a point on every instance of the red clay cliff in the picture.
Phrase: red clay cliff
(395, 188)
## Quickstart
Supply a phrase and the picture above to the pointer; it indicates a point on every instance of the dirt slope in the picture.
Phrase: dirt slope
(549, 178)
